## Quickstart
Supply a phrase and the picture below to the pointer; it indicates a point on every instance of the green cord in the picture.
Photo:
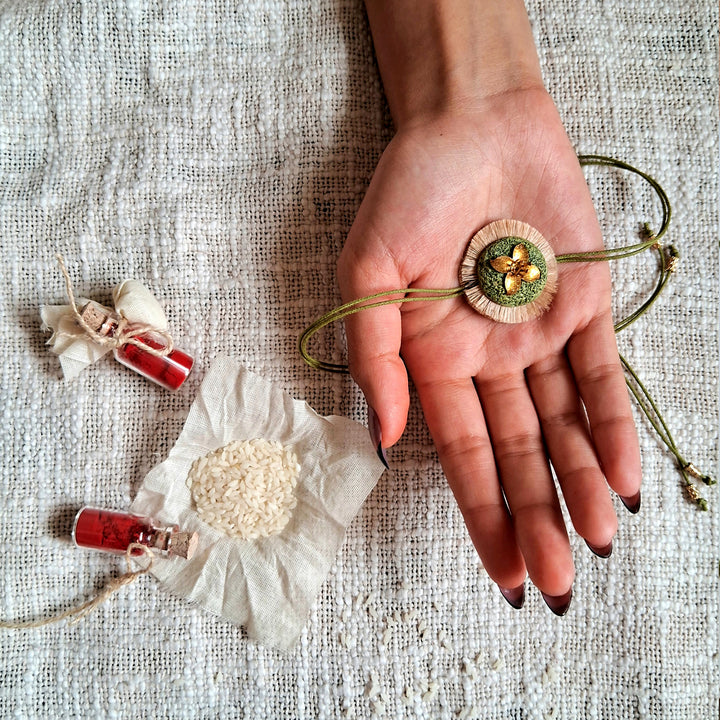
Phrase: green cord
(668, 260)
(629, 250)
(655, 418)
(365, 303)
(420, 294)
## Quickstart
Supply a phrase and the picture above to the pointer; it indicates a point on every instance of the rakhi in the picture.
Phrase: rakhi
(509, 273)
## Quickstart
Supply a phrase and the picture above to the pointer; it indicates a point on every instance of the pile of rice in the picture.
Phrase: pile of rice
(246, 488)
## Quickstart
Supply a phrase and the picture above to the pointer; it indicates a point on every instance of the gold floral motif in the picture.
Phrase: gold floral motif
(516, 269)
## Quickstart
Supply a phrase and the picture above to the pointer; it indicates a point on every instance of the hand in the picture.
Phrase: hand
(498, 399)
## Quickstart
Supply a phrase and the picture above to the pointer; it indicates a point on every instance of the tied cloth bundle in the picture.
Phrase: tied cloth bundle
(510, 274)
(136, 332)
(79, 344)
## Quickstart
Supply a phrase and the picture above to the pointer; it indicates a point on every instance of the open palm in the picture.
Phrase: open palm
(498, 399)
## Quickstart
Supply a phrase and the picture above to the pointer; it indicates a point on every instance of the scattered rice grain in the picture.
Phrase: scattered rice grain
(468, 712)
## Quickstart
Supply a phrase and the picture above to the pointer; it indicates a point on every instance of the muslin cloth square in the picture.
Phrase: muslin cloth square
(266, 585)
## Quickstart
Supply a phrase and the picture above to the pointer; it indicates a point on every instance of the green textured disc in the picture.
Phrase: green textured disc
(492, 282)
(509, 272)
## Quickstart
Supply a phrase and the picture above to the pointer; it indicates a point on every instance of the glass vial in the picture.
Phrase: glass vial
(114, 531)
(169, 371)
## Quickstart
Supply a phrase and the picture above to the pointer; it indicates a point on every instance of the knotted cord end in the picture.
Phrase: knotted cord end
(694, 495)
(696, 473)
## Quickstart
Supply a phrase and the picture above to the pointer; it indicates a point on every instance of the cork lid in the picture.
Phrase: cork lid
(95, 315)
(183, 544)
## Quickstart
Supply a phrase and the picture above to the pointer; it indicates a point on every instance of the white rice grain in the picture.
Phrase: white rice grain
(246, 488)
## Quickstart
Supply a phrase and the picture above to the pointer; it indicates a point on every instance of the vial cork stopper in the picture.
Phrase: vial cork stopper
(95, 315)
(183, 544)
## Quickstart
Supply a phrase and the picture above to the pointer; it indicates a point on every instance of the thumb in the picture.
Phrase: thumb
(374, 338)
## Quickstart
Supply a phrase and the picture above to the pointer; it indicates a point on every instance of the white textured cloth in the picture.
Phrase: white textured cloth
(217, 152)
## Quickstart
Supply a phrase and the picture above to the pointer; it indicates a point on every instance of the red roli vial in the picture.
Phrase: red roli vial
(170, 371)
(114, 531)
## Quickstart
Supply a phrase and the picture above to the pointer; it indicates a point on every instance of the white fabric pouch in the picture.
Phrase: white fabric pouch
(131, 299)
(268, 584)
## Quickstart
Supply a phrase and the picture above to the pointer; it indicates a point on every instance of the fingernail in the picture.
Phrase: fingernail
(376, 436)
(559, 604)
(603, 552)
(632, 503)
(515, 596)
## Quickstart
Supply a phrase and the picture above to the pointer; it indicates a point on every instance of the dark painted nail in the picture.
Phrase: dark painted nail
(632, 503)
(515, 596)
(559, 604)
(603, 552)
(376, 436)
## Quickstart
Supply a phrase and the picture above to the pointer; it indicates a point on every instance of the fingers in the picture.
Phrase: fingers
(595, 364)
(373, 338)
(455, 419)
(528, 485)
(569, 444)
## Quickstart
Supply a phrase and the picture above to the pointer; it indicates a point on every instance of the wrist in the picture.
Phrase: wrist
(443, 56)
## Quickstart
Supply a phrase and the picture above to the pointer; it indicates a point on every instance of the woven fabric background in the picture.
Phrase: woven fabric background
(217, 151)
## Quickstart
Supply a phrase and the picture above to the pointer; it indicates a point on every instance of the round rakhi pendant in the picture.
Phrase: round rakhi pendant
(509, 272)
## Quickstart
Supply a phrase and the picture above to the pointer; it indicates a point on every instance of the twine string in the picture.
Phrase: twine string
(688, 470)
(668, 257)
(75, 614)
(126, 333)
